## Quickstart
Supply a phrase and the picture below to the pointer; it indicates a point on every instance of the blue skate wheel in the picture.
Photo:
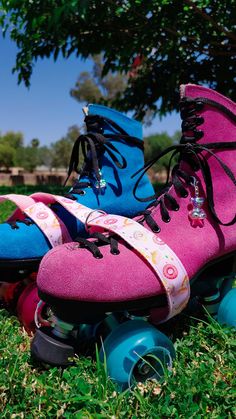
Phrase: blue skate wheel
(86, 332)
(135, 352)
(227, 309)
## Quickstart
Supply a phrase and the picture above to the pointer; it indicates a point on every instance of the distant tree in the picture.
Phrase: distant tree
(72, 134)
(96, 88)
(14, 139)
(45, 156)
(14, 153)
(31, 158)
(27, 157)
(35, 143)
(7, 155)
(155, 144)
(176, 137)
(61, 149)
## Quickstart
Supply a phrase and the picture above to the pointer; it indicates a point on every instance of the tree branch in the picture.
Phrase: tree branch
(209, 19)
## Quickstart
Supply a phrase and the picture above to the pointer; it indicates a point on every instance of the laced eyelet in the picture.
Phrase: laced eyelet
(199, 120)
(199, 105)
(156, 229)
(167, 220)
(69, 196)
(198, 134)
(15, 226)
(115, 252)
(82, 193)
(98, 256)
(184, 194)
(176, 208)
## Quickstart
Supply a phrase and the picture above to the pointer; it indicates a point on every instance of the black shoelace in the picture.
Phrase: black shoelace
(191, 152)
(14, 224)
(93, 145)
(93, 247)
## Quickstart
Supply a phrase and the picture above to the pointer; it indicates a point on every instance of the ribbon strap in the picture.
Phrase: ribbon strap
(79, 211)
(36, 207)
(48, 222)
(21, 201)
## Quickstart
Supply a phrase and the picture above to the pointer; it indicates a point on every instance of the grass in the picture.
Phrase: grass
(201, 385)
(28, 189)
(6, 207)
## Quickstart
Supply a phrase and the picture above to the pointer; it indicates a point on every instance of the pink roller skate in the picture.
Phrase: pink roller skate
(146, 270)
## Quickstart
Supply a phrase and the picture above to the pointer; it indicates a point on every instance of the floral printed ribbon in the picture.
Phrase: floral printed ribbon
(52, 227)
(36, 208)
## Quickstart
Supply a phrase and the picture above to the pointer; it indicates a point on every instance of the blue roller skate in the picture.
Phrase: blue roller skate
(113, 150)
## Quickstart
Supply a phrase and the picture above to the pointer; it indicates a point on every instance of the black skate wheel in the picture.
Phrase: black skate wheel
(52, 351)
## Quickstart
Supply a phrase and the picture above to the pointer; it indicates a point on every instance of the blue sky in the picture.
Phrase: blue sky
(46, 110)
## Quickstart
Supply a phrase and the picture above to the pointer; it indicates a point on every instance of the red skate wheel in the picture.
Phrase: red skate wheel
(26, 307)
(9, 293)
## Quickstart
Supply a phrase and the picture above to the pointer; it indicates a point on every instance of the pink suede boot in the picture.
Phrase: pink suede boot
(151, 264)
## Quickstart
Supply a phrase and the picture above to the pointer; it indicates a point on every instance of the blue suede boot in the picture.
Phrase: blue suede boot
(113, 151)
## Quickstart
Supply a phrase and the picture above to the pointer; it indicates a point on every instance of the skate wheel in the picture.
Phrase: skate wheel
(51, 351)
(135, 352)
(9, 293)
(227, 309)
(26, 307)
(86, 332)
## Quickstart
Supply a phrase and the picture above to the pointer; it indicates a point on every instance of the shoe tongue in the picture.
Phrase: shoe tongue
(130, 126)
(194, 91)
(102, 111)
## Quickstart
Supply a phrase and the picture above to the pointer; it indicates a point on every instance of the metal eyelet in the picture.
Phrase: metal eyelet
(98, 256)
(198, 134)
(184, 194)
(115, 252)
(199, 105)
(156, 229)
(199, 120)
(16, 227)
(167, 220)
